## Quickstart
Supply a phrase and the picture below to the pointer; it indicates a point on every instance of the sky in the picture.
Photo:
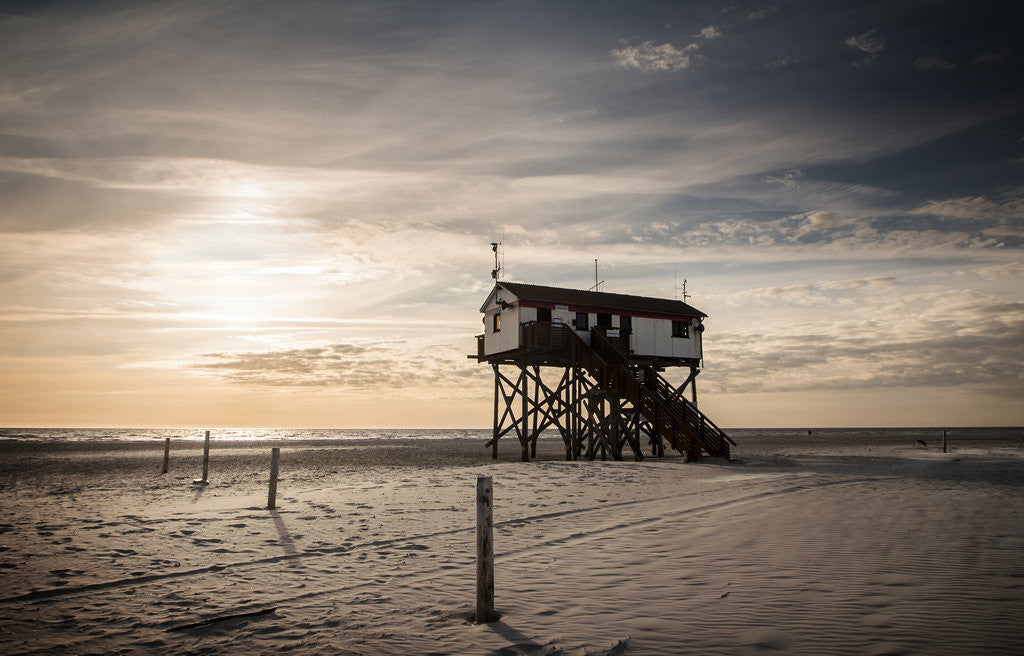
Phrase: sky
(266, 214)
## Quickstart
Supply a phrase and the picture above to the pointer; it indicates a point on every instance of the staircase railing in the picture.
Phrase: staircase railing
(713, 439)
(617, 378)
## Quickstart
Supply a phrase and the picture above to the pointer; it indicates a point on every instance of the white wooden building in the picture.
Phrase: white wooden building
(642, 327)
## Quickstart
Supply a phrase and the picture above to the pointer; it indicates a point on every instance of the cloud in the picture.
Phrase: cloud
(824, 220)
(651, 57)
(933, 64)
(1008, 270)
(781, 62)
(804, 294)
(759, 14)
(710, 32)
(970, 343)
(977, 208)
(868, 43)
(395, 366)
(820, 234)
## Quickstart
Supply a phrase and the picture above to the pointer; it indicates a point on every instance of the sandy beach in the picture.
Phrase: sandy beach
(797, 546)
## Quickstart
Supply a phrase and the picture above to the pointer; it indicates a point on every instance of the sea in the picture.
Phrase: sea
(287, 434)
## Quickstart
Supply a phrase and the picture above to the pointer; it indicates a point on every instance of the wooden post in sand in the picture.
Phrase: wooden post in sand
(167, 453)
(484, 550)
(206, 458)
(943, 441)
(272, 495)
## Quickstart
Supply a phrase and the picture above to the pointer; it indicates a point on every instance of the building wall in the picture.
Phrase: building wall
(508, 337)
(654, 337)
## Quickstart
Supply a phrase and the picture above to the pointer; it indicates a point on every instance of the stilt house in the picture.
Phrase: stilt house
(610, 350)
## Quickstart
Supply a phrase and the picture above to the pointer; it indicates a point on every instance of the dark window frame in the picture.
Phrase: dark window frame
(496, 323)
(680, 329)
(581, 318)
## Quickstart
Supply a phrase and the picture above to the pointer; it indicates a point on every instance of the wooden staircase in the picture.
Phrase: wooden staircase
(670, 416)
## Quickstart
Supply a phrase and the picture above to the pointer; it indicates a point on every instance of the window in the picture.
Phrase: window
(497, 322)
(582, 321)
(626, 325)
(544, 314)
(681, 329)
(604, 320)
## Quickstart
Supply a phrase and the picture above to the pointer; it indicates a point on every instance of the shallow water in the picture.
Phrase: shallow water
(927, 434)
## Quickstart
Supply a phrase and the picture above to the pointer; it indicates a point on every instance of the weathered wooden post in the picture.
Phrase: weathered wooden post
(206, 458)
(484, 550)
(275, 452)
(167, 454)
(943, 441)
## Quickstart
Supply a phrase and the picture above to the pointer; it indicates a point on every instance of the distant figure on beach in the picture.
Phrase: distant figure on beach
(922, 443)
(808, 433)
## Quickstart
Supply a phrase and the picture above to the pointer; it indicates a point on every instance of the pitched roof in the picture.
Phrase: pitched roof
(562, 296)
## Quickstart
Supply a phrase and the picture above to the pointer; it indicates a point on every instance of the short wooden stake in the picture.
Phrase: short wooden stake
(272, 495)
(206, 457)
(484, 550)
(167, 453)
(943, 441)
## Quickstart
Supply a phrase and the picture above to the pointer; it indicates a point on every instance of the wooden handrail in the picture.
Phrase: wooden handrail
(618, 378)
(713, 428)
(709, 433)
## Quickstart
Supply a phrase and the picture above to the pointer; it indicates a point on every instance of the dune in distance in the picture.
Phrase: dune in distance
(846, 543)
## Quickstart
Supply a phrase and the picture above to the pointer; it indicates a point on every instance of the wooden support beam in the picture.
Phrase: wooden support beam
(524, 436)
(494, 439)
(536, 412)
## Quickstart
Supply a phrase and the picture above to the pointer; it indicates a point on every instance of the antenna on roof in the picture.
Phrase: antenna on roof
(680, 291)
(499, 259)
(597, 285)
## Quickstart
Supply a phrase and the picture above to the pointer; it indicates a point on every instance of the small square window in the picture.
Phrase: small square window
(681, 329)
(582, 321)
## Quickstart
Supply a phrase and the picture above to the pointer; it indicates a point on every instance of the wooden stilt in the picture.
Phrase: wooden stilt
(524, 416)
(167, 454)
(534, 433)
(494, 440)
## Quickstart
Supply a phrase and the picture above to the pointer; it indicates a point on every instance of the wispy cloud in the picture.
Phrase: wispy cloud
(869, 43)
(929, 63)
(977, 208)
(970, 343)
(649, 56)
(710, 32)
(369, 368)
